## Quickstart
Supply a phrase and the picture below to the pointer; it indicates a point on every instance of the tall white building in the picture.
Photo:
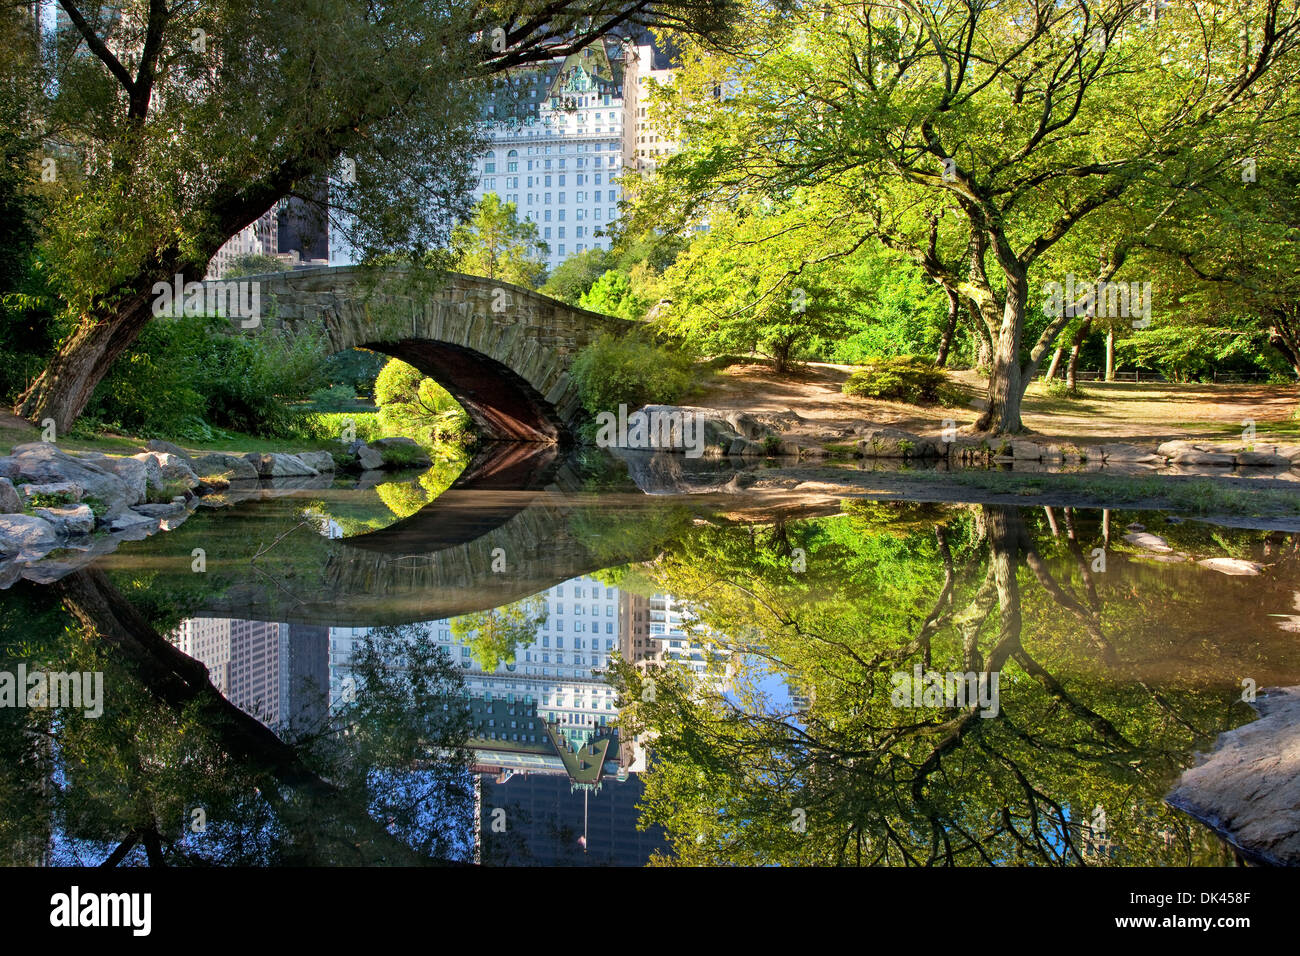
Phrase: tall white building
(561, 136)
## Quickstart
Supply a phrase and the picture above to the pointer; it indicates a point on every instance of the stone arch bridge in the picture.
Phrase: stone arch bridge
(503, 351)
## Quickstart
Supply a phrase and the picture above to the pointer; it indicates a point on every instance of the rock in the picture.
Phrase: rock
(9, 500)
(896, 443)
(168, 510)
(168, 448)
(131, 521)
(1172, 449)
(1121, 452)
(136, 472)
(1259, 459)
(1214, 459)
(320, 460)
(175, 469)
(69, 488)
(279, 465)
(42, 462)
(26, 534)
(743, 447)
(1248, 790)
(229, 467)
(1233, 566)
(1026, 451)
(74, 519)
(370, 458)
(1144, 539)
(746, 425)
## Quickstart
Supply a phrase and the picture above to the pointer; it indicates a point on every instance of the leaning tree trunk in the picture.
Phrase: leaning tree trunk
(1110, 355)
(1072, 370)
(1056, 361)
(64, 388)
(945, 342)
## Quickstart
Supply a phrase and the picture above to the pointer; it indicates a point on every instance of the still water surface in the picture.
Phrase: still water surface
(548, 665)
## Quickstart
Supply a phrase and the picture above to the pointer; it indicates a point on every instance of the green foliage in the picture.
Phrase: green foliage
(613, 294)
(254, 264)
(188, 374)
(629, 371)
(902, 378)
(58, 499)
(334, 397)
(572, 278)
(354, 368)
(415, 406)
(1184, 352)
(495, 244)
(331, 426)
(495, 634)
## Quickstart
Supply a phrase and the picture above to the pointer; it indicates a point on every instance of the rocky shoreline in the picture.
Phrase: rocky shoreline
(84, 505)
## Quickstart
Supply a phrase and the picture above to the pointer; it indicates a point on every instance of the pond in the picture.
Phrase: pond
(594, 661)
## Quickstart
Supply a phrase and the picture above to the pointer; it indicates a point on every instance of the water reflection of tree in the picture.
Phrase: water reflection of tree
(384, 779)
(853, 780)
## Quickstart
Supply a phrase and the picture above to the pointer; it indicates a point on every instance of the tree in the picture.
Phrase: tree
(172, 128)
(752, 282)
(953, 134)
(412, 404)
(613, 294)
(494, 634)
(495, 244)
(571, 279)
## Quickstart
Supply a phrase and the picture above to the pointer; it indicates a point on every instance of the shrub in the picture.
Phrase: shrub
(334, 397)
(629, 371)
(902, 378)
(415, 406)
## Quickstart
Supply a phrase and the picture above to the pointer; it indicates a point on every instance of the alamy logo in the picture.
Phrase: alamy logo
(1103, 300)
(235, 299)
(74, 909)
(81, 690)
(954, 689)
(652, 428)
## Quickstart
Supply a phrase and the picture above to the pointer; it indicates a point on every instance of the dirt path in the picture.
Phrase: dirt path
(1107, 411)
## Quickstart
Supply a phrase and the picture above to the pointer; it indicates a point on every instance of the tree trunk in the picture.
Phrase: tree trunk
(1056, 361)
(1110, 355)
(1071, 370)
(945, 342)
(62, 391)
(1002, 417)
(983, 342)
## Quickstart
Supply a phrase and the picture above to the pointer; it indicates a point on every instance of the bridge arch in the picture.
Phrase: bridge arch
(503, 351)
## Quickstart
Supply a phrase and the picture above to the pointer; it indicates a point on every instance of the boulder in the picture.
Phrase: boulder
(1116, 451)
(26, 534)
(9, 500)
(1026, 451)
(896, 443)
(136, 471)
(167, 510)
(168, 448)
(42, 462)
(1205, 458)
(369, 458)
(743, 447)
(71, 520)
(131, 521)
(69, 488)
(746, 425)
(279, 465)
(174, 468)
(320, 460)
(229, 467)
(1172, 449)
